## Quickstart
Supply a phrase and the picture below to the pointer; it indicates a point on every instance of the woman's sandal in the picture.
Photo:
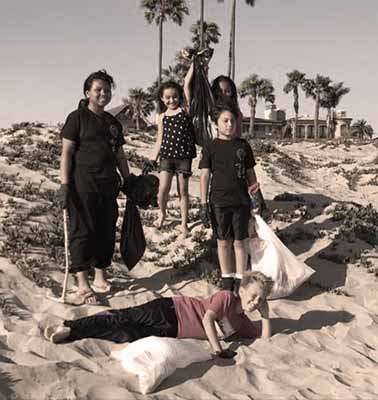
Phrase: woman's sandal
(82, 298)
(106, 288)
(56, 333)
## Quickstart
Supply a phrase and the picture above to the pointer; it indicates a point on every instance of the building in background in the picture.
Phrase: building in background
(275, 125)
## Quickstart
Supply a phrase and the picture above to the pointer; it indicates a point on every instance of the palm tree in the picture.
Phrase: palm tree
(316, 88)
(295, 79)
(210, 34)
(159, 11)
(231, 52)
(330, 100)
(139, 105)
(361, 129)
(256, 88)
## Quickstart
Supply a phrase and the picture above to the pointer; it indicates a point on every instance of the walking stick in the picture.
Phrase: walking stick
(65, 227)
(62, 298)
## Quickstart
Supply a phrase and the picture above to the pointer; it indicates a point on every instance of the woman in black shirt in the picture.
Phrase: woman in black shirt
(91, 153)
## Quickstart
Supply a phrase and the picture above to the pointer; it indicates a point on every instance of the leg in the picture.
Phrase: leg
(241, 255)
(240, 222)
(224, 254)
(183, 181)
(165, 178)
(105, 239)
(82, 207)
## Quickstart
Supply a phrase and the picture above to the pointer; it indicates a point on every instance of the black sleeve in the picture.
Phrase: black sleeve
(205, 161)
(250, 160)
(71, 128)
(120, 138)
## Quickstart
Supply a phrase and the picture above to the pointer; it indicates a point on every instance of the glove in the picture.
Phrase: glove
(204, 213)
(227, 354)
(62, 195)
(149, 166)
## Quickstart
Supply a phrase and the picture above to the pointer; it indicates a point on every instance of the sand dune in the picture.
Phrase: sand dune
(325, 342)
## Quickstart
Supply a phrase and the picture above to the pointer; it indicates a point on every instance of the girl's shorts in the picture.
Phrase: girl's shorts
(176, 166)
(230, 223)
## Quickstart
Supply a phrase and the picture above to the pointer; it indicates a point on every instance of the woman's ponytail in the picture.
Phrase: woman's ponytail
(83, 103)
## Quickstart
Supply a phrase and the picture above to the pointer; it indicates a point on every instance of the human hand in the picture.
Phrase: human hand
(226, 354)
(62, 195)
(149, 166)
(263, 309)
(204, 213)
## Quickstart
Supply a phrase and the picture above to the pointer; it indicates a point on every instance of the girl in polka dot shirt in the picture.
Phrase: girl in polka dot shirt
(175, 148)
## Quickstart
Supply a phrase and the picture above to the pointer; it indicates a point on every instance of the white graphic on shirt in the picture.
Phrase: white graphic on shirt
(240, 163)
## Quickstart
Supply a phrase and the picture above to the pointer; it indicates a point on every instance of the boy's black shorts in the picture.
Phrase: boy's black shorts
(230, 223)
(177, 166)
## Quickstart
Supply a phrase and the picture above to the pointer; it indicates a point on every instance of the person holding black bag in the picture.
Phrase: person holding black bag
(91, 154)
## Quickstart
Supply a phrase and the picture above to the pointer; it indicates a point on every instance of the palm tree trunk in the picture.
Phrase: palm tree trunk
(296, 110)
(252, 121)
(328, 123)
(137, 126)
(294, 132)
(316, 117)
(231, 43)
(201, 23)
(161, 41)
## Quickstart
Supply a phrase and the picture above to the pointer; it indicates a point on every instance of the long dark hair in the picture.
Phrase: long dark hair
(160, 92)
(100, 75)
(217, 93)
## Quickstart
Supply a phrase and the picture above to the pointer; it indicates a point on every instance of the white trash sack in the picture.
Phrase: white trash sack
(271, 257)
(153, 358)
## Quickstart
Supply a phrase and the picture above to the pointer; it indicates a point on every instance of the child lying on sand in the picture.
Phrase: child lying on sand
(222, 314)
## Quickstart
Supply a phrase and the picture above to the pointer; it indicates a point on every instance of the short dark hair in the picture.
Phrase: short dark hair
(216, 89)
(100, 75)
(160, 92)
(224, 105)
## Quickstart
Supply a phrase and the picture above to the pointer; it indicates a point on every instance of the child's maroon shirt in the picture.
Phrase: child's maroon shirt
(190, 312)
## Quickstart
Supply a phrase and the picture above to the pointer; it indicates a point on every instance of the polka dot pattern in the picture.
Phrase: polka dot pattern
(178, 137)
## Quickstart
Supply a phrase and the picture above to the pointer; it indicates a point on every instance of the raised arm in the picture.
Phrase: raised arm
(187, 82)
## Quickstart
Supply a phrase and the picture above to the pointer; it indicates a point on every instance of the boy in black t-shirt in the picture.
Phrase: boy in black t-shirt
(227, 164)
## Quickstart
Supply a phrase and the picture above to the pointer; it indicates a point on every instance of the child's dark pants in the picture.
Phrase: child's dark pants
(93, 218)
(155, 318)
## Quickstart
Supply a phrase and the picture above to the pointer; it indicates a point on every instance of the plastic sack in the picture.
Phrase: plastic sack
(133, 242)
(153, 358)
(202, 103)
(271, 257)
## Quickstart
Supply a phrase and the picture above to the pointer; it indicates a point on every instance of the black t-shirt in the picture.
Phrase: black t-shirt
(228, 161)
(98, 139)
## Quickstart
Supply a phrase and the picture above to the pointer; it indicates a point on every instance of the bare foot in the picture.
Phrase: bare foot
(57, 333)
(184, 233)
(160, 220)
(101, 286)
(86, 297)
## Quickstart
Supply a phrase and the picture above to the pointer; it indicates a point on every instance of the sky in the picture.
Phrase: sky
(49, 47)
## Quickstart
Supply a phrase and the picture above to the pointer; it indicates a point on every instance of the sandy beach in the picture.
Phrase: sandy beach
(325, 341)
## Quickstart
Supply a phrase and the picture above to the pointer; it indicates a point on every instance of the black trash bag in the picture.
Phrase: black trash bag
(141, 191)
(133, 242)
(202, 101)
